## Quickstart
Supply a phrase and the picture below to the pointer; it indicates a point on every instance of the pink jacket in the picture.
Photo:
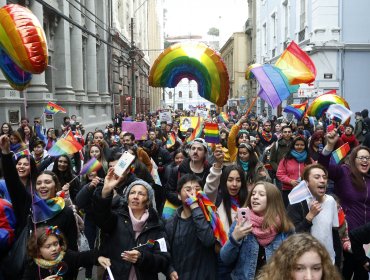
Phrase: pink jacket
(289, 169)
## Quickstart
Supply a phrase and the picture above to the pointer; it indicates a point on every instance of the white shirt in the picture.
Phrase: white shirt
(324, 222)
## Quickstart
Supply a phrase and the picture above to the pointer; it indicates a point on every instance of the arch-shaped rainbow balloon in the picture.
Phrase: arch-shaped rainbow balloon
(196, 62)
(23, 47)
(321, 103)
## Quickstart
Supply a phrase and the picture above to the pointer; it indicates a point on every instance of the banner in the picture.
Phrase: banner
(188, 122)
(165, 116)
(202, 112)
(139, 129)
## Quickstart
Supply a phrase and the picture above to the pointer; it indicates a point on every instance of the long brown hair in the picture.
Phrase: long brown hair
(283, 261)
(357, 178)
(274, 208)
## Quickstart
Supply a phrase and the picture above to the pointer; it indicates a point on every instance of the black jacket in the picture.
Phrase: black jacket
(360, 236)
(120, 237)
(192, 246)
(176, 173)
(297, 213)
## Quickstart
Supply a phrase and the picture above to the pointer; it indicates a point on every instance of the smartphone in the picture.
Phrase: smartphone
(243, 215)
(123, 163)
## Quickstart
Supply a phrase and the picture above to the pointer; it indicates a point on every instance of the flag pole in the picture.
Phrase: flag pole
(251, 106)
(73, 179)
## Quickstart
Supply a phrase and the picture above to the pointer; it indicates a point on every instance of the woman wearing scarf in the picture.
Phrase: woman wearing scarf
(349, 137)
(47, 209)
(252, 242)
(291, 167)
(252, 168)
(227, 189)
(131, 230)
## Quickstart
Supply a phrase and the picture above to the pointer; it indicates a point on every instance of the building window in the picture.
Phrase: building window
(264, 39)
(170, 95)
(286, 20)
(190, 94)
(302, 15)
(180, 94)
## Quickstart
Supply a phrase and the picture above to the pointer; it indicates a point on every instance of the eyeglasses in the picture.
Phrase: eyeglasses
(363, 158)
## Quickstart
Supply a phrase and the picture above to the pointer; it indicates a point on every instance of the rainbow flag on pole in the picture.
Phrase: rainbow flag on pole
(223, 117)
(52, 108)
(197, 133)
(211, 133)
(296, 65)
(92, 165)
(297, 110)
(171, 140)
(63, 146)
(340, 153)
(25, 152)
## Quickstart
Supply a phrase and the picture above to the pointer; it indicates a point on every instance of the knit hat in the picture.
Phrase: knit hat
(144, 184)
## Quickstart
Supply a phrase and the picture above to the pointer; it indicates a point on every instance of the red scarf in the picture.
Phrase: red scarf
(341, 216)
(264, 236)
(348, 138)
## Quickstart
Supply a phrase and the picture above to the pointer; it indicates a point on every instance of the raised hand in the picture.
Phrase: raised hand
(331, 139)
(111, 181)
(241, 230)
(219, 156)
(131, 256)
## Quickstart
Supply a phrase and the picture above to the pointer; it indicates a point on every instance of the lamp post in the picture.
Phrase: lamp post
(133, 55)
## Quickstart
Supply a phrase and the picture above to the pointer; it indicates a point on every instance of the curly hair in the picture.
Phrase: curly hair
(39, 238)
(286, 256)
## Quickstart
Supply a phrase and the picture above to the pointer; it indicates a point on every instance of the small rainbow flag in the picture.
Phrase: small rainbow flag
(92, 165)
(52, 108)
(169, 210)
(223, 117)
(340, 153)
(296, 65)
(171, 140)
(211, 133)
(197, 133)
(63, 146)
(150, 243)
(297, 110)
(22, 153)
(44, 210)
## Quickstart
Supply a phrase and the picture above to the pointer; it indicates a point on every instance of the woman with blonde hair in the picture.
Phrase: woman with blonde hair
(254, 241)
(301, 256)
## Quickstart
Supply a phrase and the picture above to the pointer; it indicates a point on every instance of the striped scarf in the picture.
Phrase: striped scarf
(235, 202)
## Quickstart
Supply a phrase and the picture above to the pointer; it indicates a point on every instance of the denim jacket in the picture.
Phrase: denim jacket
(245, 253)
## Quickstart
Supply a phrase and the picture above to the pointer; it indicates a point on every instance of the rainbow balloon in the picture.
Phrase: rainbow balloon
(321, 103)
(23, 45)
(196, 62)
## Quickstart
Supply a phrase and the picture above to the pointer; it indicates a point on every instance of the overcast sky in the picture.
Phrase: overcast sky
(195, 17)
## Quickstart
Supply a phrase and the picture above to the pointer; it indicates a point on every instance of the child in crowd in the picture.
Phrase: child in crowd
(51, 259)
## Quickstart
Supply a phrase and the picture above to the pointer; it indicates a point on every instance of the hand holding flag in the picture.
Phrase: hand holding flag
(299, 193)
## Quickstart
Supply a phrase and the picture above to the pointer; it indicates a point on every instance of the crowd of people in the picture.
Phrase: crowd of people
(215, 211)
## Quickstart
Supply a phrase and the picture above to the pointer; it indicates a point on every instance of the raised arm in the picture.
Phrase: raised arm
(213, 178)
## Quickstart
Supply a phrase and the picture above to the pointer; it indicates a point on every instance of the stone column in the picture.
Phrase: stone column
(63, 83)
(37, 89)
(76, 54)
(102, 13)
(92, 86)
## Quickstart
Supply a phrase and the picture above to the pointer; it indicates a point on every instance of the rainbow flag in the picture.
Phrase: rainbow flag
(168, 210)
(63, 146)
(274, 85)
(210, 212)
(297, 110)
(340, 153)
(52, 108)
(44, 210)
(299, 193)
(171, 140)
(296, 65)
(22, 153)
(92, 165)
(211, 133)
(197, 133)
(150, 243)
(223, 117)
